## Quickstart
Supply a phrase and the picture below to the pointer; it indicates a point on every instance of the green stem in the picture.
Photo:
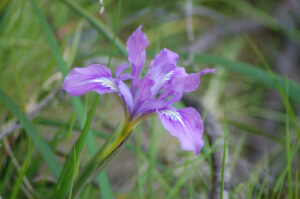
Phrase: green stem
(101, 158)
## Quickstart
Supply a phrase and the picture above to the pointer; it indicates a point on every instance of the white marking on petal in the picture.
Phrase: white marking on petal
(173, 115)
(167, 77)
(105, 82)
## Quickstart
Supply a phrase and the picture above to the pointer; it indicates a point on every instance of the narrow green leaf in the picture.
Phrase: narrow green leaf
(297, 184)
(100, 26)
(140, 176)
(224, 155)
(69, 167)
(97, 160)
(288, 150)
(256, 131)
(252, 72)
(79, 108)
(7, 176)
(23, 170)
(41, 144)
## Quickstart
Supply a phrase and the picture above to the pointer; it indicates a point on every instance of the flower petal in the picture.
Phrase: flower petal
(143, 93)
(161, 69)
(125, 94)
(95, 77)
(185, 124)
(136, 45)
(125, 76)
(121, 68)
(191, 81)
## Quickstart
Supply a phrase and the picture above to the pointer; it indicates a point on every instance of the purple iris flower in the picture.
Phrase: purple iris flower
(162, 86)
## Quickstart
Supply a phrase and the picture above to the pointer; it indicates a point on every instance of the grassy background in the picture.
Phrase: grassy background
(253, 44)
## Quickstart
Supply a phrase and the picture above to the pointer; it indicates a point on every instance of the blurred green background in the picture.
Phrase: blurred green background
(254, 45)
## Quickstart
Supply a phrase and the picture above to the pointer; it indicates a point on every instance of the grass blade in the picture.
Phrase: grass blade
(73, 158)
(63, 67)
(86, 173)
(101, 28)
(41, 144)
(252, 72)
(22, 171)
(224, 156)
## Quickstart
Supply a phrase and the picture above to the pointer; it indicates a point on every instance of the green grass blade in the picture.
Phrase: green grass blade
(140, 176)
(297, 184)
(101, 27)
(152, 155)
(75, 44)
(224, 156)
(21, 175)
(252, 72)
(86, 173)
(78, 106)
(50, 37)
(7, 176)
(254, 130)
(289, 159)
(288, 150)
(41, 144)
(279, 86)
(70, 166)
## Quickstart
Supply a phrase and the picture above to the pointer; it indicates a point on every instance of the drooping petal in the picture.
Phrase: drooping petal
(161, 69)
(186, 125)
(95, 77)
(125, 94)
(191, 81)
(136, 45)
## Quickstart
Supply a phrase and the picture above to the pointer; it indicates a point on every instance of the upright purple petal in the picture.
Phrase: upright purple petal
(95, 77)
(186, 125)
(143, 92)
(161, 69)
(136, 45)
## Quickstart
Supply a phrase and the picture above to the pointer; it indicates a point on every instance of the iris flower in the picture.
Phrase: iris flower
(162, 86)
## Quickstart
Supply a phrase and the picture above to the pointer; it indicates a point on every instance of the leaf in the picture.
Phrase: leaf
(79, 108)
(30, 130)
(252, 72)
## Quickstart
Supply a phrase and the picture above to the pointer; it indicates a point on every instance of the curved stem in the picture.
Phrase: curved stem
(101, 158)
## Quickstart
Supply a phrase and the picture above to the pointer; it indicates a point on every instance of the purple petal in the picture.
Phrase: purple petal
(144, 89)
(125, 76)
(172, 94)
(161, 69)
(150, 106)
(186, 125)
(191, 81)
(136, 45)
(208, 70)
(121, 68)
(125, 94)
(95, 77)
